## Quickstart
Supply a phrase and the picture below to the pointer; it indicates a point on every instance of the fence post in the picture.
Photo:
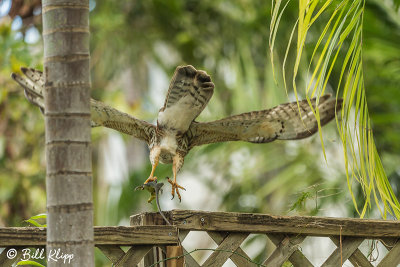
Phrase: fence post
(156, 253)
(172, 252)
(159, 253)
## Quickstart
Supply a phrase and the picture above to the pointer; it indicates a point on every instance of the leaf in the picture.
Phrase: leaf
(30, 263)
(362, 161)
(301, 201)
(32, 220)
(39, 216)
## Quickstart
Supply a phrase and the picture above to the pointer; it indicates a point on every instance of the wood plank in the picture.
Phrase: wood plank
(136, 235)
(263, 223)
(284, 250)
(103, 235)
(392, 258)
(189, 260)
(388, 242)
(183, 234)
(341, 254)
(113, 253)
(225, 249)
(219, 237)
(149, 218)
(297, 258)
(22, 236)
(133, 256)
(151, 257)
(357, 258)
(174, 254)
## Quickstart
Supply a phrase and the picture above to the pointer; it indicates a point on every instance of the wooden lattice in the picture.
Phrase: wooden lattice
(152, 243)
(229, 230)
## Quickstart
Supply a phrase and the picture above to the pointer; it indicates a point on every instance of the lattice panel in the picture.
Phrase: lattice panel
(288, 248)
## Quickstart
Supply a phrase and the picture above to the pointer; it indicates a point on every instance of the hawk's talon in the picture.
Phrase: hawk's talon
(151, 179)
(175, 188)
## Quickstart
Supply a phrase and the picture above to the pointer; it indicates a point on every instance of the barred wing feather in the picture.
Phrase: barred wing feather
(101, 114)
(281, 122)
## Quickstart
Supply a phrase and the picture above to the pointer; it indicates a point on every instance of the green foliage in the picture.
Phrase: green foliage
(21, 135)
(341, 41)
(301, 201)
(30, 263)
(33, 220)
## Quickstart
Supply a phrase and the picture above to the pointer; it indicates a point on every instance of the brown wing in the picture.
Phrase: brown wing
(188, 94)
(101, 114)
(281, 122)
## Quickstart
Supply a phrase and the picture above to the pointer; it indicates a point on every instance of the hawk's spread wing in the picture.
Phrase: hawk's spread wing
(101, 114)
(281, 122)
(188, 94)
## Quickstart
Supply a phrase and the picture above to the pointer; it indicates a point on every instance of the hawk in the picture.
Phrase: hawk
(177, 132)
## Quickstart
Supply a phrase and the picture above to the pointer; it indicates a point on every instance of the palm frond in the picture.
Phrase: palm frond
(340, 42)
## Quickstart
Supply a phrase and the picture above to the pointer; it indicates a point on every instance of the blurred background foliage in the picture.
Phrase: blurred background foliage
(135, 47)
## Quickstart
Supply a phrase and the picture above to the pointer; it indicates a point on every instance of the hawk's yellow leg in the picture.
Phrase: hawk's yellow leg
(175, 186)
(152, 177)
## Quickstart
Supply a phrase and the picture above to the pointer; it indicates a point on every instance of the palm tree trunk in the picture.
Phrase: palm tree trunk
(67, 113)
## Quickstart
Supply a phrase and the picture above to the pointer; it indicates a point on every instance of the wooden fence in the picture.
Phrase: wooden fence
(153, 243)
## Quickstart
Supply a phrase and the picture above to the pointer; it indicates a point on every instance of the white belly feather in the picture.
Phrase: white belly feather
(168, 146)
(168, 142)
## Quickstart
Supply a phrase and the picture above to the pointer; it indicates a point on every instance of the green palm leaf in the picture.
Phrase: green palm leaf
(343, 29)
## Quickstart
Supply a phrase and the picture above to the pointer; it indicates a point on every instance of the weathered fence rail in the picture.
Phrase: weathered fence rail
(103, 235)
(109, 240)
(153, 243)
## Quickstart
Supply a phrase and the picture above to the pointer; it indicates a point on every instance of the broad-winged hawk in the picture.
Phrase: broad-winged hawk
(177, 131)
